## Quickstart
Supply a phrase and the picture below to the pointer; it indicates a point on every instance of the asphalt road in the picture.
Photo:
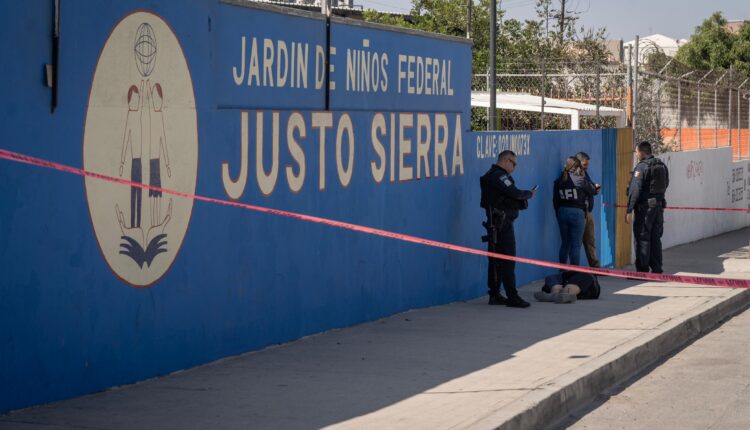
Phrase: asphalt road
(704, 386)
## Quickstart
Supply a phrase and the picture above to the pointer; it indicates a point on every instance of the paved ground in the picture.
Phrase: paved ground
(463, 365)
(704, 386)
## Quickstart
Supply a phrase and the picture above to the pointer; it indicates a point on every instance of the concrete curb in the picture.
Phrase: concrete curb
(551, 403)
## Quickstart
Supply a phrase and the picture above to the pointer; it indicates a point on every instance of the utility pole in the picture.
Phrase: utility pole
(635, 89)
(544, 82)
(468, 18)
(491, 124)
(562, 20)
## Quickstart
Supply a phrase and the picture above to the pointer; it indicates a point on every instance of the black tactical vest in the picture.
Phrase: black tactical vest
(569, 195)
(657, 177)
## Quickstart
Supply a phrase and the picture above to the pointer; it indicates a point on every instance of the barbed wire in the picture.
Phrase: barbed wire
(678, 107)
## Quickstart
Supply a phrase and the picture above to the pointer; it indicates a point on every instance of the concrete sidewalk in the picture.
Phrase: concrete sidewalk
(462, 365)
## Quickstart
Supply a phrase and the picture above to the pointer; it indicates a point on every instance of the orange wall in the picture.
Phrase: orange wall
(707, 137)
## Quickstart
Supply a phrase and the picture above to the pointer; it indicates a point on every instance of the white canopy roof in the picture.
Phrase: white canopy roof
(529, 103)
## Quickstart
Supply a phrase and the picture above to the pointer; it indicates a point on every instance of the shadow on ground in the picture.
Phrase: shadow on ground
(338, 375)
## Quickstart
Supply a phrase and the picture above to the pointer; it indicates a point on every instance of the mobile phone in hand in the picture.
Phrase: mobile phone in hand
(534, 188)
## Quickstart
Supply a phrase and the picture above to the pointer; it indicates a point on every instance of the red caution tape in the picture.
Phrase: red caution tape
(689, 208)
(697, 280)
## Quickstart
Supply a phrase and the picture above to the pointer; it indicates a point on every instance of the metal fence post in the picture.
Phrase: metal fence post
(635, 90)
(700, 146)
(739, 116)
(598, 95)
(729, 113)
(629, 86)
(716, 117)
(491, 120)
(679, 113)
(544, 88)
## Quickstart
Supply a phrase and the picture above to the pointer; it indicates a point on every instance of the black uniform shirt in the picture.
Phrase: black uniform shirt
(501, 192)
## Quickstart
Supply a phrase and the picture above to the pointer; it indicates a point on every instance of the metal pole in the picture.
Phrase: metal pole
(699, 117)
(493, 85)
(700, 145)
(544, 88)
(679, 113)
(628, 87)
(716, 109)
(739, 125)
(635, 90)
(659, 86)
(716, 117)
(598, 89)
(468, 18)
(729, 114)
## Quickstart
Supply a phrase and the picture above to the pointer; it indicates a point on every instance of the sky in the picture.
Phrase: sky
(623, 19)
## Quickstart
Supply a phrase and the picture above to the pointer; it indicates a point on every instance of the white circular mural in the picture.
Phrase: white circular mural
(141, 126)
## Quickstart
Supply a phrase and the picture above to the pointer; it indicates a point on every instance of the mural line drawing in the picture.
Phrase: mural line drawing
(144, 126)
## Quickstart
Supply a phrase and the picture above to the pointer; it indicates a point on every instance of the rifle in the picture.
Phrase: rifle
(491, 226)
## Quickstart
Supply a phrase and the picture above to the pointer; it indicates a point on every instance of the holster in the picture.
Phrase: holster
(494, 223)
(653, 202)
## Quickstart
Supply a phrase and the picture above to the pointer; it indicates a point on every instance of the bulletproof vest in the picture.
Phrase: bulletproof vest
(657, 175)
(569, 195)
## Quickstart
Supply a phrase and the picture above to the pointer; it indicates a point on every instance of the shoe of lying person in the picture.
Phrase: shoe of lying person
(565, 298)
(544, 297)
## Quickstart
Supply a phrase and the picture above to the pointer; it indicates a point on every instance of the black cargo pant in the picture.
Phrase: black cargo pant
(503, 271)
(648, 228)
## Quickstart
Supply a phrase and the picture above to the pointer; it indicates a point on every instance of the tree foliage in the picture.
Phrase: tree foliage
(712, 46)
(531, 46)
(529, 42)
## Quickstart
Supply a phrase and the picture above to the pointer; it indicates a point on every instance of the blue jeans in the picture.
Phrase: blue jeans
(572, 222)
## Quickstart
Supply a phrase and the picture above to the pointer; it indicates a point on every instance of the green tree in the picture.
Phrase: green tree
(710, 46)
(522, 46)
(741, 50)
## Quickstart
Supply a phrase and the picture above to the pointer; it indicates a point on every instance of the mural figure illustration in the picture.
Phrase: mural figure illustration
(133, 140)
(145, 120)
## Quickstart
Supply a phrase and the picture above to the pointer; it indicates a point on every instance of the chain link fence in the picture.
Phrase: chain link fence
(599, 85)
(678, 108)
(687, 109)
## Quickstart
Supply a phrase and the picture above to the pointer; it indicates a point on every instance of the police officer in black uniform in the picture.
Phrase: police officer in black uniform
(501, 201)
(646, 198)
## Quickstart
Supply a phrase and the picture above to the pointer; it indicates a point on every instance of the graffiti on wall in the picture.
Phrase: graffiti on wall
(737, 184)
(694, 171)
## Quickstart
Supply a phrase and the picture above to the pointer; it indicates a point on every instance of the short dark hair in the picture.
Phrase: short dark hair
(505, 154)
(645, 147)
(582, 156)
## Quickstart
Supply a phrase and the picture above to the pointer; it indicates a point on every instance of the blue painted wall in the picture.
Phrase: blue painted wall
(243, 280)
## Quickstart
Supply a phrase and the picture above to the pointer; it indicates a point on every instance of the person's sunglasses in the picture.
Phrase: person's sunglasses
(514, 163)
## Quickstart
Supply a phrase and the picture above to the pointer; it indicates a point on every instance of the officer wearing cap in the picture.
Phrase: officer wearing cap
(646, 198)
(501, 201)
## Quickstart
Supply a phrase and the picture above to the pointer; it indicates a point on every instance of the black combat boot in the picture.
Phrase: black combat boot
(497, 299)
(516, 302)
